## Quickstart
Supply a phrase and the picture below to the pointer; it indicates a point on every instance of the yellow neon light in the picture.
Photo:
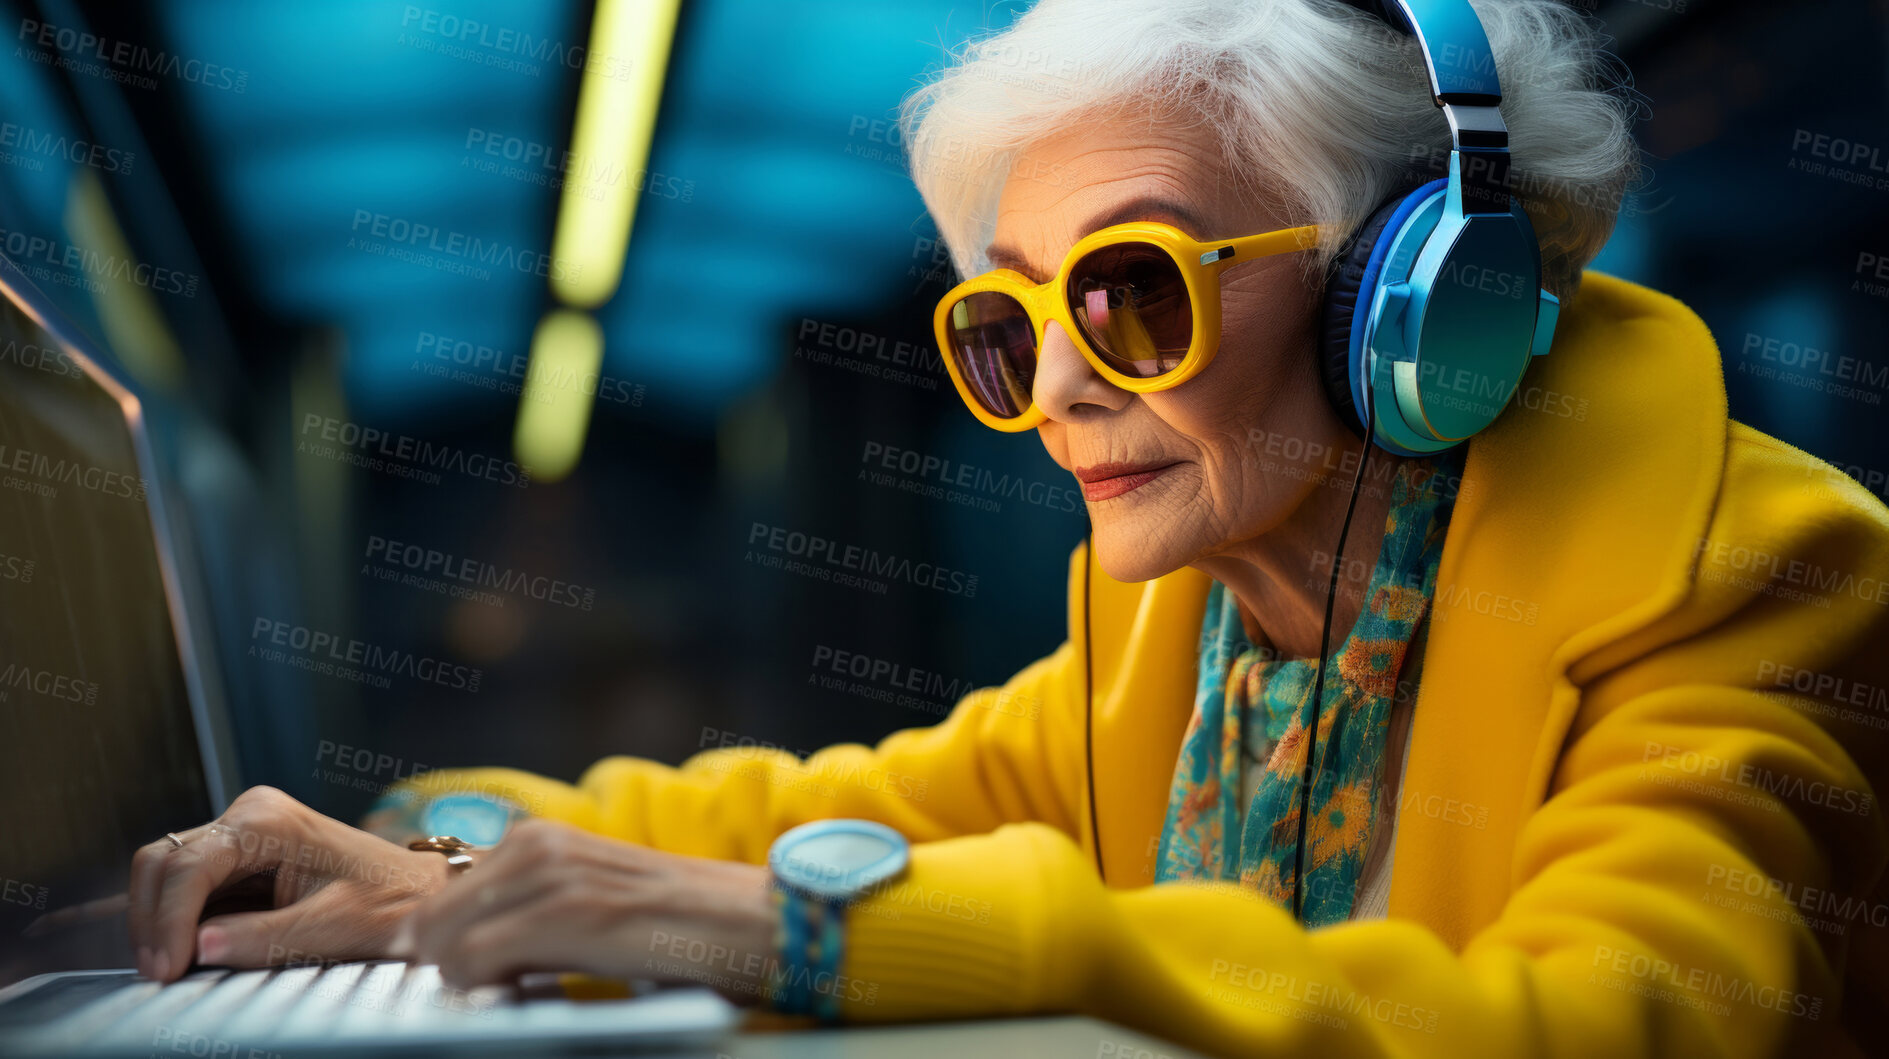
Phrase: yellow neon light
(554, 409)
(616, 118)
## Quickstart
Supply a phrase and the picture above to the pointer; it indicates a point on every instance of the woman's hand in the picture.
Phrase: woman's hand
(308, 886)
(554, 898)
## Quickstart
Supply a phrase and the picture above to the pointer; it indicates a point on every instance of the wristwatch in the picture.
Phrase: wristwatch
(837, 860)
(457, 850)
(480, 819)
(819, 869)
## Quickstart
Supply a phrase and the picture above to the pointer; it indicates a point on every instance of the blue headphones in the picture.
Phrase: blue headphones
(1436, 302)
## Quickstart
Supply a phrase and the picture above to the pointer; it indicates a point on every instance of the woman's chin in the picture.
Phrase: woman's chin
(1129, 552)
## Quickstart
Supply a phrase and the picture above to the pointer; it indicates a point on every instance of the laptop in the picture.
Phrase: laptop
(111, 735)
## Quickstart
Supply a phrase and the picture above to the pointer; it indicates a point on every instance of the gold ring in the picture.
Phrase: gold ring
(176, 843)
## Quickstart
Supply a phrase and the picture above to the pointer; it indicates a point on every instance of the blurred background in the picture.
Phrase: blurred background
(365, 263)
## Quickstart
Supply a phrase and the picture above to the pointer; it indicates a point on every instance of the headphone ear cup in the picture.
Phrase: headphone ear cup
(1343, 285)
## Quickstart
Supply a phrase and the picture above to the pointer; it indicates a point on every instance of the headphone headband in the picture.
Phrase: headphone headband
(1464, 84)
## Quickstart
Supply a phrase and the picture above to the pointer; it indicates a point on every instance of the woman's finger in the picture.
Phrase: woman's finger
(144, 888)
(528, 937)
(479, 895)
(596, 919)
(190, 875)
(245, 939)
(291, 934)
(517, 868)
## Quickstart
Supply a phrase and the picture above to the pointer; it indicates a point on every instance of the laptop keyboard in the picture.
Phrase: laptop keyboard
(377, 1004)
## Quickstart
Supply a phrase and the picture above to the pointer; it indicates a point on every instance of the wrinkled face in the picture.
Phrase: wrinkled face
(1218, 453)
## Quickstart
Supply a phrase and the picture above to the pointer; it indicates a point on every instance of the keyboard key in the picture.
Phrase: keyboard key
(323, 1001)
(281, 990)
(155, 1018)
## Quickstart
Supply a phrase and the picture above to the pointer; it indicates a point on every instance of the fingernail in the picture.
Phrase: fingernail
(161, 965)
(212, 945)
(144, 962)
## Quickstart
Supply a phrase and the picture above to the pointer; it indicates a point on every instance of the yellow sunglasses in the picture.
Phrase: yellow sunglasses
(1140, 300)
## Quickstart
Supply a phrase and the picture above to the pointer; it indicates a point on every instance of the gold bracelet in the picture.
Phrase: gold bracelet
(457, 850)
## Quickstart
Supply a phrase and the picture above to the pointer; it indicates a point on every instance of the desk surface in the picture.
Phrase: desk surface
(1065, 1037)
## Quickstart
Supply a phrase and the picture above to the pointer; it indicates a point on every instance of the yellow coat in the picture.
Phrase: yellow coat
(1639, 814)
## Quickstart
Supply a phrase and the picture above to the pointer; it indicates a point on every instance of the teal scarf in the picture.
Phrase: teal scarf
(1246, 697)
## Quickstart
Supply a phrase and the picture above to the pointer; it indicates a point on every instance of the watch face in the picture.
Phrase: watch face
(838, 859)
(475, 818)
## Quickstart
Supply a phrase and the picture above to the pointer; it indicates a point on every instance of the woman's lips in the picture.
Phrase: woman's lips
(1106, 480)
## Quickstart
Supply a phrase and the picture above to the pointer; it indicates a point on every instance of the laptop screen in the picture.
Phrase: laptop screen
(98, 752)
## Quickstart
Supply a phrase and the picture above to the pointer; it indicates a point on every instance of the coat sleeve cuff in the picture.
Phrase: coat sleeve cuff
(970, 930)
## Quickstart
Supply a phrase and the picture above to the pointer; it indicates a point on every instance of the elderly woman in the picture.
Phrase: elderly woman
(1363, 740)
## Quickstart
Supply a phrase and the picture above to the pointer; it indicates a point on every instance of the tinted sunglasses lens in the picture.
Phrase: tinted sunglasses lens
(1130, 300)
(995, 350)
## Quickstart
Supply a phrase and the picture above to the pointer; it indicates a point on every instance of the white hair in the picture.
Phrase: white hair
(1315, 104)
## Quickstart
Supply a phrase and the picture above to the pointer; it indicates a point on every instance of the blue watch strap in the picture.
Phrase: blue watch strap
(809, 944)
(790, 947)
(829, 951)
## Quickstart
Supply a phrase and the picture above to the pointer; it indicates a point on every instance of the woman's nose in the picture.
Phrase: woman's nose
(1066, 383)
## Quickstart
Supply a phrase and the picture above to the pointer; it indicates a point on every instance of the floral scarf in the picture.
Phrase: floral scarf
(1248, 698)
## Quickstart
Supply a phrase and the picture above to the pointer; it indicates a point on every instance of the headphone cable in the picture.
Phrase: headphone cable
(1324, 648)
(1088, 695)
